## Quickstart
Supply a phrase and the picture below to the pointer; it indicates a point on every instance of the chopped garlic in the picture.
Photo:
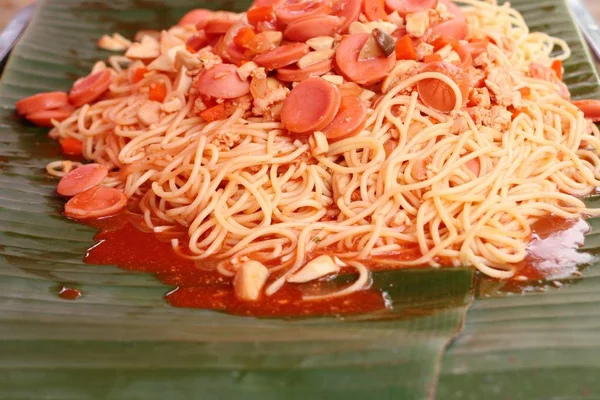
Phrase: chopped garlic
(172, 105)
(147, 48)
(183, 82)
(315, 57)
(246, 70)
(315, 269)
(357, 27)
(320, 43)
(168, 41)
(273, 37)
(335, 79)
(452, 57)
(417, 23)
(149, 112)
(444, 51)
(366, 95)
(115, 42)
(383, 26)
(98, 67)
(395, 19)
(249, 280)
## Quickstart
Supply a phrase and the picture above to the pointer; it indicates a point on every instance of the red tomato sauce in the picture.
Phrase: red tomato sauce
(68, 293)
(123, 241)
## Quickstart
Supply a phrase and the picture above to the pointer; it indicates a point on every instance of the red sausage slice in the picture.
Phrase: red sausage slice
(309, 27)
(590, 108)
(282, 56)
(292, 10)
(197, 16)
(218, 26)
(349, 120)
(310, 106)
(348, 11)
(364, 72)
(44, 118)
(81, 179)
(90, 88)
(99, 201)
(456, 27)
(295, 74)
(42, 102)
(222, 81)
(410, 6)
(438, 95)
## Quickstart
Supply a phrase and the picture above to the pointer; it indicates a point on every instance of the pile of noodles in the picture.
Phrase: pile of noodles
(245, 188)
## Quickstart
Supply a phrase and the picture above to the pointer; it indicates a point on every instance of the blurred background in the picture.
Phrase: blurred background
(9, 7)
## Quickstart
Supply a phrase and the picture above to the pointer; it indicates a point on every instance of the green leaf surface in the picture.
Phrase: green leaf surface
(121, 340)
(536, 345)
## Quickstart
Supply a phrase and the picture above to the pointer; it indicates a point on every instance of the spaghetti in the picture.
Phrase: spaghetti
(448, 157)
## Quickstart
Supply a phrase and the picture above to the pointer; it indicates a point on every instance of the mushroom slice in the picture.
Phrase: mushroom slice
(249, 280)
(315, 269)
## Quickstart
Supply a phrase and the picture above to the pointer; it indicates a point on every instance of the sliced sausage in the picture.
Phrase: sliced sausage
(81, 179)
(282, 56)
(222, 81)
(364, 72)
(42, 102)
(310, 106)
(295, 74)
(309, 27)
(349, 120)
(99, 201)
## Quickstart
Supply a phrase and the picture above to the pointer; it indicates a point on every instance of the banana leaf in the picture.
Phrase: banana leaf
(544, 343)
(121, 340)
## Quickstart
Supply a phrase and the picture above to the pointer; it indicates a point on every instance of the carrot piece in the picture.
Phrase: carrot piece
(374, 10)
(557, 67)
(405, 49)
(260, 14)
(220, 111)
(443, 41)
(138, 74)
(525, 91)
(71, 146)
(432, 58)
(158, 92)
(244, 36)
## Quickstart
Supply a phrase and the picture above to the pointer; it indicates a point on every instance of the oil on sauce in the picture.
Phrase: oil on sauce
(122, 241)
(123, 244)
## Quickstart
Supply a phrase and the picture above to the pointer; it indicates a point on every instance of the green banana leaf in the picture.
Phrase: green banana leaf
(121, 340)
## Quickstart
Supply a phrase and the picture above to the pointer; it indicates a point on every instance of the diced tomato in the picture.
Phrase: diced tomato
(218, 112)
(405, 49)
(442, 41)
(138, 74)
(158, 92)
(557, 67)
(525, 91)
(374, 10)
(432, 58)
(71, 146)
(260, 14)
(244, 36)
